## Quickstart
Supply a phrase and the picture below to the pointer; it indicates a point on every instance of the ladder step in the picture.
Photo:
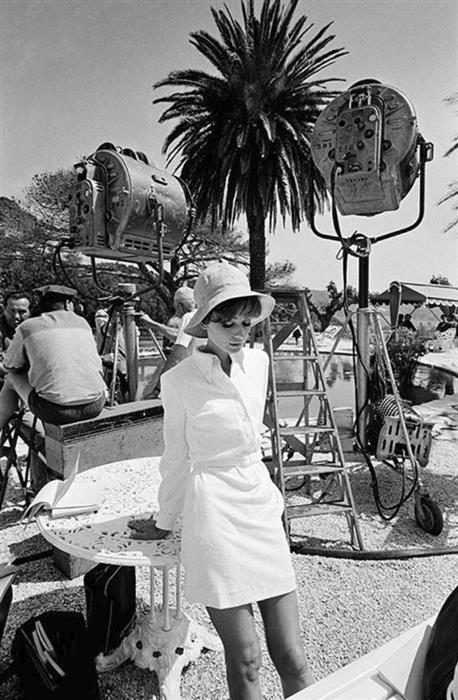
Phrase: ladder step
(288, 393)
(310, 452)
(317, 509)
(286, 295)
(302, 468)
(294, 356)
(306, 429)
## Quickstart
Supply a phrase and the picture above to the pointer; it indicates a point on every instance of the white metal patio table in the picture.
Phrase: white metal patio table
(165, 640)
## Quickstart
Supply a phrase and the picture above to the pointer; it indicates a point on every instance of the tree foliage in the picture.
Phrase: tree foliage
(26, 249)
(209, 244)
(31, 255)
(323, 313)
(47, 198)
(242, 137)
(439, 279)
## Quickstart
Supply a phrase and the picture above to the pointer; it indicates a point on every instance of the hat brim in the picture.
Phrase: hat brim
(57, 289)
(197, 330)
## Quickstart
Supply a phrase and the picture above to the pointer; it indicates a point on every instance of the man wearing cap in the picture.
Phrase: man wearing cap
(53, 364)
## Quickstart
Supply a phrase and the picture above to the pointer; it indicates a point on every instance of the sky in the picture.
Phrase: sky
(77, 73)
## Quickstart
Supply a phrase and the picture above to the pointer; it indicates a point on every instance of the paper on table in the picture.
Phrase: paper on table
(403, 671)
(66, 497)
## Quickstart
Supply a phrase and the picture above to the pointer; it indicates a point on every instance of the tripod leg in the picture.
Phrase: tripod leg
(114, 375)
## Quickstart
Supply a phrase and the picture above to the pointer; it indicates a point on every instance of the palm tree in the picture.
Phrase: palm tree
(452, 186)
(242, 140)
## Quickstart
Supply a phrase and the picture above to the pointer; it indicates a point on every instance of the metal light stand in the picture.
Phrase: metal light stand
(130, 337)
(123, 303)
(360, 246)
(122, 319)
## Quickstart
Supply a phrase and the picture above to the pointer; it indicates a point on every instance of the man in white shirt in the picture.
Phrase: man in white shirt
(182, 344)
(183, 303)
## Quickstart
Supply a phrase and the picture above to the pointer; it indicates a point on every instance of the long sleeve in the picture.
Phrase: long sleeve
(15, 357)
(175, 463)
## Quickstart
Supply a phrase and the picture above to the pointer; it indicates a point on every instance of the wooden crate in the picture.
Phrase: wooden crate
(128, 431)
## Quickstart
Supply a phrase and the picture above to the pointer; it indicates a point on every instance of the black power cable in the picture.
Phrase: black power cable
(386, 511)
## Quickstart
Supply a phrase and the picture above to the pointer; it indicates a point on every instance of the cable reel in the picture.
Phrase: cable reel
(365, 145)
(124, 208)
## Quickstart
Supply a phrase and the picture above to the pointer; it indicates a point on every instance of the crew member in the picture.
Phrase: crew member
(177, 343)
(183, 303)
(17, 309)
(53, 364)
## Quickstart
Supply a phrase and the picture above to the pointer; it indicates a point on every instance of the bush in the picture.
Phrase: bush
(404, 350)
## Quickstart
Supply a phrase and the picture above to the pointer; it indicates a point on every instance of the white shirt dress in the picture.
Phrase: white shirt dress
(234, 548)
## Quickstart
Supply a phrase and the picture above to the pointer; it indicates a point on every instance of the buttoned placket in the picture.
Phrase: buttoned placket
(213, 372)
(243, 411)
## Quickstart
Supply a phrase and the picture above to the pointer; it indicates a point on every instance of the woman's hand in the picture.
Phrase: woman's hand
(146, 529)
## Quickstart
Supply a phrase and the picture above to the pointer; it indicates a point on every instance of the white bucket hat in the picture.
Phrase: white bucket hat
(221, 282)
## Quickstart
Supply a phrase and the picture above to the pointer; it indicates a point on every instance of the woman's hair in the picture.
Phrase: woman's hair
(250, 306)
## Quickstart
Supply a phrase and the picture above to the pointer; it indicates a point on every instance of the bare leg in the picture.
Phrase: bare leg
(236, 628)
(281, 622)
(16, 387)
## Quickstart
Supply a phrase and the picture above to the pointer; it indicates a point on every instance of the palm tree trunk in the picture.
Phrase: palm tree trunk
(257, 237)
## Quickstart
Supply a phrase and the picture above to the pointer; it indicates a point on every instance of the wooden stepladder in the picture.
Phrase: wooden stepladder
(309, 448)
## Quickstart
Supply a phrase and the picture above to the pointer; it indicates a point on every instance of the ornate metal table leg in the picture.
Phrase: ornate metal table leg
(165, 641)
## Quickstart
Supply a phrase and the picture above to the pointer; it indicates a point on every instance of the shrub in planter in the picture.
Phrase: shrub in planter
(404, 350)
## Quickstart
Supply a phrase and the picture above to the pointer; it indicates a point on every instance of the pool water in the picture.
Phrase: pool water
(430, 383)
(339, 378)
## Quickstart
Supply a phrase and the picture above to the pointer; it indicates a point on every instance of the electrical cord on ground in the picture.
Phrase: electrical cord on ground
(373, 555)
(26, 558)
(382, 508)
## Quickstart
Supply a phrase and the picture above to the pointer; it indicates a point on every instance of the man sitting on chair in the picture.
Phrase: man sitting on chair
(53, 364)
(17, 309)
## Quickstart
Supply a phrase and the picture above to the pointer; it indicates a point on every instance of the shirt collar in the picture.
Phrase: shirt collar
(209, 363)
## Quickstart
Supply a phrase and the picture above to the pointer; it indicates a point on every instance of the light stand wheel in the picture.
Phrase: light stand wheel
(428, 515)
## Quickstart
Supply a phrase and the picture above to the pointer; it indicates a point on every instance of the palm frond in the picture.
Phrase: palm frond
(241, 138)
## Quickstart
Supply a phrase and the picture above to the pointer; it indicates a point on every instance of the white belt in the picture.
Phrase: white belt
(235, 461)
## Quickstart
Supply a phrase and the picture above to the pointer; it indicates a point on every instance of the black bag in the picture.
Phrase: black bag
(52, 658)
(110, 605)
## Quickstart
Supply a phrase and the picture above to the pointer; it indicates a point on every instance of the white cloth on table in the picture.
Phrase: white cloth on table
(234, 549)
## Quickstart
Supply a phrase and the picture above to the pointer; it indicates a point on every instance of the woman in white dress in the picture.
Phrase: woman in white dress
(234, 549)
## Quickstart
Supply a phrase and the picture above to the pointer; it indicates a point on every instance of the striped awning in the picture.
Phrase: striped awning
(427, 294)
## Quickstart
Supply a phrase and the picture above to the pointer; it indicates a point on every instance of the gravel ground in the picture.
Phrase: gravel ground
(347, 607)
